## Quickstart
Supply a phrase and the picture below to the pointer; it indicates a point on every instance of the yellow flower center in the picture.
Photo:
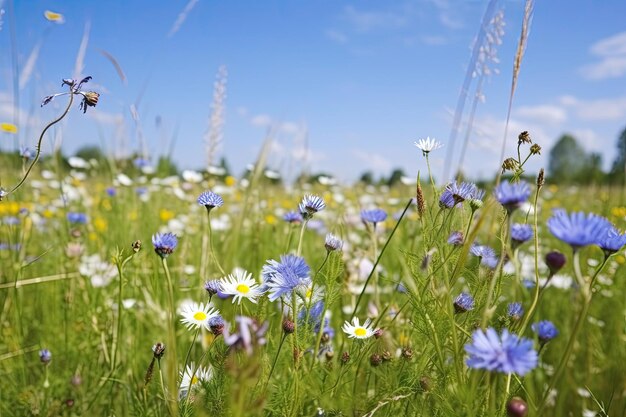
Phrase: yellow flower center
(360, 331)
(200, 316)
(243, 288)
(194, 380)
(309, 292)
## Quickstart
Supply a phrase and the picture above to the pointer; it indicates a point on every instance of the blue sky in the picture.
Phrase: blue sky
(345, 87)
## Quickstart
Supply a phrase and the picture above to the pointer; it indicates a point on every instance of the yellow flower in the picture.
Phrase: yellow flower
(100, 224)
(230, 180)
(270, 219)
(93, 237)
(166, 215)
(106, 204)
(132, 215)
(618, 212)
(620, 259)
(47, 214)
(13, 208)
(54, 17)
(8, 128)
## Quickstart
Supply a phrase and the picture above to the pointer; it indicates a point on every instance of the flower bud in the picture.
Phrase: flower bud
(555, 261)
(516, 407)
(376, 359)
(535, 149)
(345, 357)
(288, 326)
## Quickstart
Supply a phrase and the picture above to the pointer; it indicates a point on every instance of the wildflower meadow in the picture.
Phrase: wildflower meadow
(129, 288)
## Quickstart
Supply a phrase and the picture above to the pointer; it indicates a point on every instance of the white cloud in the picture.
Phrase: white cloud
(261, 120)
(336, 36)
(365, 21)
(612, 54)
(433, 40)
(290, 127)
(543, 113)
(604, 109)
(589, 139)
(373, 161)
(447, 16)
(106, 118)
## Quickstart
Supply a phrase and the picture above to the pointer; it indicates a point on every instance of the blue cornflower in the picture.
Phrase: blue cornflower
(292, 217)
(455, 238)
(213, 286)
(520, 233)
(461, 192)
(76, 218)
(486, 254)
(612, 241)
(578, 229)
(141, 191)
(515, 310)
(164, 243)
(512, 196)
(216, 324)
(545, 330)
(26, 153)
(446, 200)
(281, 278)
(210, 200)
(310, 205)
(111, 191)
(315, 315)
(11, 220)
(506, 353)
(464, 302)
(140, 162)
(332, 243)
(373, 216)
(45, 356)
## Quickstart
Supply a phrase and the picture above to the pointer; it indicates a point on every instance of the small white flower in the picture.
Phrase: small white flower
(192, 376)
(197, 314)
(358, 331)
(428, 144)
(240, 284)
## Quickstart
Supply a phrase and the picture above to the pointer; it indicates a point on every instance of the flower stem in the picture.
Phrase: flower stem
(172, 357)
(211, 251)
(43, 132)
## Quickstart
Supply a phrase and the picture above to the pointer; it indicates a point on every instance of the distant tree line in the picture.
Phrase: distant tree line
(569, 163)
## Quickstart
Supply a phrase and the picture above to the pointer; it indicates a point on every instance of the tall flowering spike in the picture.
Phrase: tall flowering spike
(612, 241)
(464, 302)
(373, 216)
(578, 229)
(164, 243)
(506, 353)
(428, 145)
(210, 200)
(281, 278)
(310, 205)
(512, 196)
(545, 331)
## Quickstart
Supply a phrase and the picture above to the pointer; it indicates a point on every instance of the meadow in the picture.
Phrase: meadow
(132, 293)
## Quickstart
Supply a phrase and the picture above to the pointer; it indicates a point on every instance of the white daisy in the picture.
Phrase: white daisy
(197, 314)
(192, 376)
(428, 144)
(240, 284)
(358, 331)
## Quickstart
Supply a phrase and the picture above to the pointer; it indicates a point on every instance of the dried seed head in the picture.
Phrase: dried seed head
(407, 353)
(376, 359)
(524, 137)
(535, 149)
(378, 333)
(345, 357)
(136, 246)
(90, 99)
(425, 383)
(329, 355)
(540, 178)
(387, 356)
(510, 164)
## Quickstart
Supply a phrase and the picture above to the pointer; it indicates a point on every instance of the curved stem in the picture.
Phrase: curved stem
(172, 357)
(43, 132)
(299, 251)
(211, 244)
(535, 302)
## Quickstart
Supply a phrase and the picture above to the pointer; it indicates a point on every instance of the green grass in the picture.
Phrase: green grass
(46, 303)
